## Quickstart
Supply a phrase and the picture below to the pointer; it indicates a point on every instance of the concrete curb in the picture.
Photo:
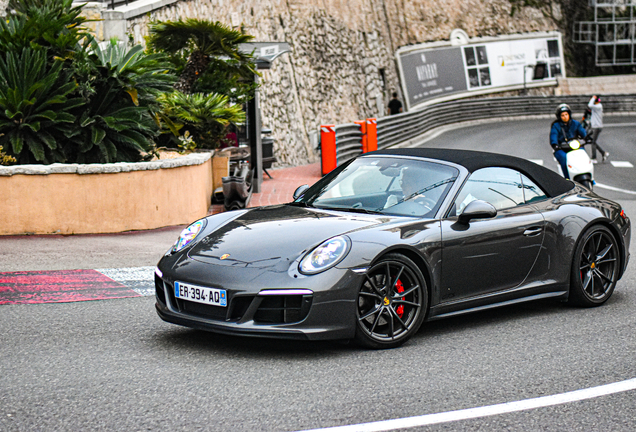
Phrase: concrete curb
(187, 160)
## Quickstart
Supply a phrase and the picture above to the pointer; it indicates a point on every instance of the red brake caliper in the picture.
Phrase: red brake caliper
(400, 288)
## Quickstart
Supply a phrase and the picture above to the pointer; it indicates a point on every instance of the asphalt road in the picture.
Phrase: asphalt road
(113, 365)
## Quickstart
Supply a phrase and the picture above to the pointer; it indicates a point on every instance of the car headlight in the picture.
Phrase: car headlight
(325, 256)
(188, 234)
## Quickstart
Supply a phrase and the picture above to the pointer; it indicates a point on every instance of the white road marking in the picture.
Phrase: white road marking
(486, 411)
(537, 161)
(139, 279)
(622, 164)
(619, 124)
(612, 188)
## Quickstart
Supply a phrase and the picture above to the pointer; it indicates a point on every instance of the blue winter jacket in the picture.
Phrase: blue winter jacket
(573, 129)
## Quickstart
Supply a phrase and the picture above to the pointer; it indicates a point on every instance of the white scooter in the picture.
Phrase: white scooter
(579, 163)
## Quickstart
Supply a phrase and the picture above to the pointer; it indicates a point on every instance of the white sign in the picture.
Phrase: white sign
(513, 62)
(438, 71)
(269, 51)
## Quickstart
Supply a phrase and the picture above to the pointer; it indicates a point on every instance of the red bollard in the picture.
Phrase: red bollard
(363, 129)
(328, 148)
(372, 134)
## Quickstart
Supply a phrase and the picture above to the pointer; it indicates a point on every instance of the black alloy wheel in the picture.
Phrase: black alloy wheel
(392, 303)
(594, 267)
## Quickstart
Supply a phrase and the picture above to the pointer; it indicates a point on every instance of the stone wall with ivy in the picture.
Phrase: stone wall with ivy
(342, 67)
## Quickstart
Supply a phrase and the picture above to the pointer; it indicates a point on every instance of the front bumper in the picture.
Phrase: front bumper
(328, 313)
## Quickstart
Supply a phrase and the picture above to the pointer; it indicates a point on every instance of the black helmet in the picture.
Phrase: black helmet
(563, 108)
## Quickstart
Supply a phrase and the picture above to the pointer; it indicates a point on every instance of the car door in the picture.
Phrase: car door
(489, 255)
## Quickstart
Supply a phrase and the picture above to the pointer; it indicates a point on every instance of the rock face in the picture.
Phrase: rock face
(342, 67)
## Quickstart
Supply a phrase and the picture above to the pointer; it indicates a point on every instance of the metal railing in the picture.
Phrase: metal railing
(348, 142)
(112, 4)
(396, 129)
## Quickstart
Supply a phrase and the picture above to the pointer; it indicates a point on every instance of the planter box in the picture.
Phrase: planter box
(220, 169)
(104, 198)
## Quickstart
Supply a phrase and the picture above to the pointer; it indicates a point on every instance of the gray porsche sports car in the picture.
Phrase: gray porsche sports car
(391, 239)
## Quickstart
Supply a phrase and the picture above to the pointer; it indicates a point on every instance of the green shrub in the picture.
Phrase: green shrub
(119, 86)
(194, 44)
(35, 105)
(206, 117)
(52, 24)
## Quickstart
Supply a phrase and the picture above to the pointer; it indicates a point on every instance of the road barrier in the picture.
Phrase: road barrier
(339, 143)
(396, 129)
(328, 148)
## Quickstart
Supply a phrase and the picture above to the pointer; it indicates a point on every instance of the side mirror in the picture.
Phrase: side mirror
(477, 209)
(300, 191)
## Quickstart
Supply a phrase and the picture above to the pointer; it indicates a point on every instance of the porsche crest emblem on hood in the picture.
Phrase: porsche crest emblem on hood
(224, 256)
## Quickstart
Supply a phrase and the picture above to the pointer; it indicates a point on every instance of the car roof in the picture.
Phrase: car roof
(551, 182)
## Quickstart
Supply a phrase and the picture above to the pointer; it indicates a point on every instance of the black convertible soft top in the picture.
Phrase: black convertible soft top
(551, 182)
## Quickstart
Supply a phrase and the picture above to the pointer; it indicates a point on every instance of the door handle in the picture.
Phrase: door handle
(531, 232)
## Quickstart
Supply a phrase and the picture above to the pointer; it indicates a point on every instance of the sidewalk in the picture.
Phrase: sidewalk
(280, 188)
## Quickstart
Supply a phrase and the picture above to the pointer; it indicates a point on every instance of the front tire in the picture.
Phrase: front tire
(594, 268)
(392, 303)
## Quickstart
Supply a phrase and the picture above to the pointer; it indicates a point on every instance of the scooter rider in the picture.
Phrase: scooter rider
(563, 129)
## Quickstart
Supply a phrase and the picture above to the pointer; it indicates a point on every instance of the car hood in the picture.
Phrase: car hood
(262, 237)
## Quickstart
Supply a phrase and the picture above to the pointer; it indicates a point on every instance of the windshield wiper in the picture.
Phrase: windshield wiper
(421, 191)
(361, 210)
(351, 209)
(299, 204)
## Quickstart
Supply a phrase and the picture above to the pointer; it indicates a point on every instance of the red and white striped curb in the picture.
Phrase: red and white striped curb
(59, 286)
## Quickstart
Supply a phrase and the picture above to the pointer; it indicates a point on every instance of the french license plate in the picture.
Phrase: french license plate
(199, 294)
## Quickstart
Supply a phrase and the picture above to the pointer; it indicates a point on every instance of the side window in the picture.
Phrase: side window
(531, 191)
(501, 187)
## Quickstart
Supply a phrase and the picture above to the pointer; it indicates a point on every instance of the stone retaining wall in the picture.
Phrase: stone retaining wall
(342, 67)
(601, 85)
(108, 198)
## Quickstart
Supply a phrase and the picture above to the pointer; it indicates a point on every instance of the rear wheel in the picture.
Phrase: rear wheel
(594, 267)
(391, 304)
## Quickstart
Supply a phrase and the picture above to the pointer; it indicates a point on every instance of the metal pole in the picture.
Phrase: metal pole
(254, 136)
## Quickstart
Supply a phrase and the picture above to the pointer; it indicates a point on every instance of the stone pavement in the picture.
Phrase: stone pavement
(280, 188)
(58, 268)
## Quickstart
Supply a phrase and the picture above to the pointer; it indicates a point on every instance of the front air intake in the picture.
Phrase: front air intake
(283, 309)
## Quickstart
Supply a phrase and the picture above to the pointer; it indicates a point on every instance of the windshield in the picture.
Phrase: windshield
(385, 185)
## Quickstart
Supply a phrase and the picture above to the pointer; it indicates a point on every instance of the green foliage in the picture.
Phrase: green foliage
(52, 24)
(211, 38)
(213, 73)
(186, 143)
(35, 106)
(65, 98)
(143, 76)
(205, 116)
(196, 44)
(230, 78)
(119, 85)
